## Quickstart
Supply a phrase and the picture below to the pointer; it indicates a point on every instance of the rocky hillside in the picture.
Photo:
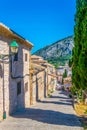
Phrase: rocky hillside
(59, 52)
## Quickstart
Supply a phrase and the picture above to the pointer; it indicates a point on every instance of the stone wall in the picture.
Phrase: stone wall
(40, 85)
(9, 100)
(34, 89)
(51, 79)
(4, 78)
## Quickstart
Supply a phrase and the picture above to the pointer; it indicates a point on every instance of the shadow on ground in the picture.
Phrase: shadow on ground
(48, 116)
(62, 102)
(53, 117)
(60, 97)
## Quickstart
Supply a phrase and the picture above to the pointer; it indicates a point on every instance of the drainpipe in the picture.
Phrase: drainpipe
(4, 111)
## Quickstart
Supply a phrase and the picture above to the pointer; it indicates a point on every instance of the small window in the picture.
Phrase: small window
(16, 57)
(19, 88)
(26, 87)
(1, 71)
(25, 57)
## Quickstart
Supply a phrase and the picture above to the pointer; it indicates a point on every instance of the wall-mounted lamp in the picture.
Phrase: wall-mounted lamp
(14, 49)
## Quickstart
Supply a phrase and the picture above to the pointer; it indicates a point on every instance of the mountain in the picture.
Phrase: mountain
(59, 52)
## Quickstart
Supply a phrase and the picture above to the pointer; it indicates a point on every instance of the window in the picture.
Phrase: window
(1, 71)
(16, 57)
(25, 57)
(26, 87)
(19, 88)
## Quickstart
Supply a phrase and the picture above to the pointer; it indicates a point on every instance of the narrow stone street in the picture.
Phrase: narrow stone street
(54, 113)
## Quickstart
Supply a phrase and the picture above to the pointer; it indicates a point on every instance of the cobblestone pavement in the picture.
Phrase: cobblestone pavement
(55, 113)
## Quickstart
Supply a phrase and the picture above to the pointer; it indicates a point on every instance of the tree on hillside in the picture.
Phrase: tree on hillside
(70, 62)
(79, 69)
(65, 74)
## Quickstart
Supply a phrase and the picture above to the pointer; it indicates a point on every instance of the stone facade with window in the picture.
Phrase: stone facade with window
(14, 73)
(37, 83)
(48, 75)
(51, 77)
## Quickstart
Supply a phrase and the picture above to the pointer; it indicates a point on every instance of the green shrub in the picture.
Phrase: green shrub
(74, 90)
(85, 111)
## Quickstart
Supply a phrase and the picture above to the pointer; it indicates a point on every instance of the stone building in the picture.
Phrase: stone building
(51, 78)
(37, 82)
(48, 74)
(14, 73)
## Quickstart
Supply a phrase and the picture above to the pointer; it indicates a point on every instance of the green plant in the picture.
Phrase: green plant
(74, 90)
(70, 62)
(65, 74)
(77, 93)
(85, 111)
(51, 90)
(85, 126)
(49, 95)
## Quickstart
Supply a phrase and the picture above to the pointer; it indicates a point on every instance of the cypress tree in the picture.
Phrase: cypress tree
(65, 74)
(79, 69)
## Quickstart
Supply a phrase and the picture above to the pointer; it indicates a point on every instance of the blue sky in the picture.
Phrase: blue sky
(42, 22)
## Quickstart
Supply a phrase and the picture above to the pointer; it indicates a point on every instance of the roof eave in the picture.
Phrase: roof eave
(14, 35)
